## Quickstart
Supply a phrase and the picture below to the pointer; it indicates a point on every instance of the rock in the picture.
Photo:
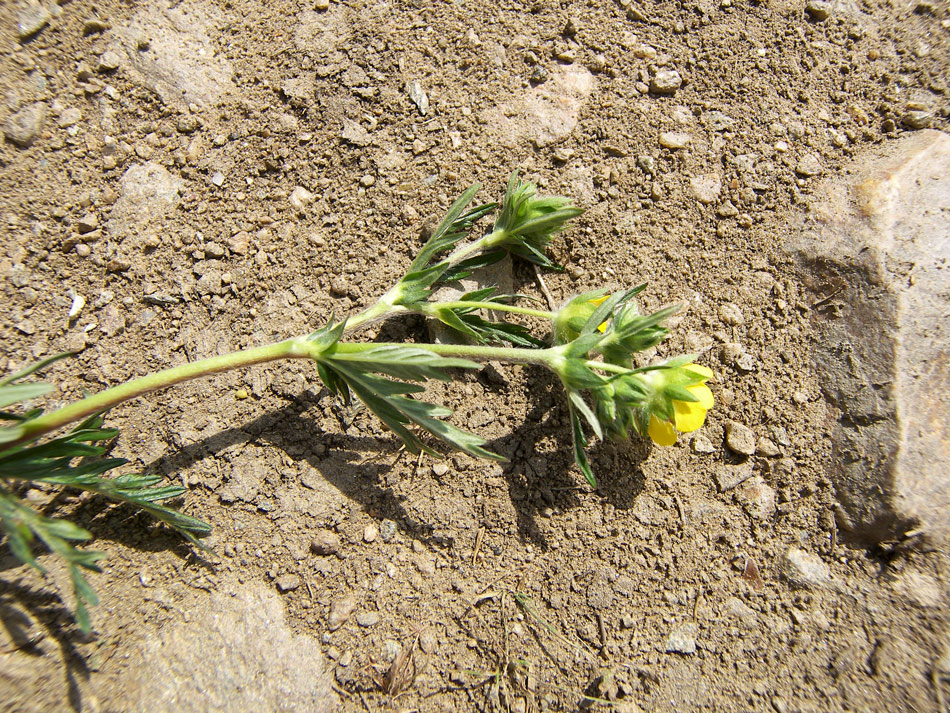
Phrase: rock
(23, 127)
(289, 582)
(340, 611)
(731, 314)
(729, 476)
(702, 444)
(917, 119)
(682, 639)
(805, 570)
(883, 341)
(808, 166)
(919, 589)
(666, 81)
(69, 117)
(758, 498)
(387, 530)
(325, 542)
(705, 188)
(674, 139)
(246, 636)
(544, 114)
(111, 321)
(367, 619)
(31, 19)
(88, 223)
(818, 10)
(108, 62)
(737, 609)
(717, 121)
(740, 438)
(178, 59)
(418, 97)
(370, 533)
(300, 198)
(146, 193)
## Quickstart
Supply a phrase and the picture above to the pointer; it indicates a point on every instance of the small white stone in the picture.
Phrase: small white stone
(300, 198)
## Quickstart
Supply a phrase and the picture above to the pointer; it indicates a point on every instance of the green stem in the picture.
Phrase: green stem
(296, 348)
(604, 366)
(466, 304)
(511, 355)
(487, 242)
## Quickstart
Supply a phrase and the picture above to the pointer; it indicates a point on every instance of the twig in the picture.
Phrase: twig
(544, 288)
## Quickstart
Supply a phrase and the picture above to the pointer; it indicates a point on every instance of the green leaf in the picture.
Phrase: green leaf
(580, 405)
(580, 443)
(401, 362)
(577, 375)
(33, 368)
(453, 228)
(467, 267)
(15, 393)
(679, 393)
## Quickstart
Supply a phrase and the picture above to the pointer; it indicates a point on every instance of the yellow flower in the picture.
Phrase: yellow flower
(597, 302)
(688, 416)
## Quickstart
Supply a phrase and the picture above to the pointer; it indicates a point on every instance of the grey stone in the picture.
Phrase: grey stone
(674, 139)
(808, 166)
(340, 611)
(31, 19)
(108, 62)
(819, 10)
(729, 476)
(717, 121)
(387, 530)
(545, 114)
(178, 61)
(288, 582)
(706, 188)
(876, 252)
(682, 639)
(740, 438)
(245, 634)
(666, 81)
(917, 119)
(325, 542)
(23, 127)
(805, 570)
(146, 193)
(418, 97)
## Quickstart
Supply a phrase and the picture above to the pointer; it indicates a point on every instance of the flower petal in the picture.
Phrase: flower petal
(702, 392)
(661, 432)
(688, 416)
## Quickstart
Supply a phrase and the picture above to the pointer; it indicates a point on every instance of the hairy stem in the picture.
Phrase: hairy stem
(296, 348)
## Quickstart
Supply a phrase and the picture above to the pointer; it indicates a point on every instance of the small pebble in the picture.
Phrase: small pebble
(740, 438)
(440, 469)
(917, 119)
(367, 181)
(767, 448)
(804, 569)
(728, 477)
(325, 542)
(674, 140)
(217, 178)
(32, 19)
(346, 659)
(321, 5)
(387, 530)
(87, 223)
(370, 533)
(731, 314)
(682, 639)
(705, 188)
(69, 117)
(808, 166)
(427, 641)
(367, 618)
(818, 10)
(666, 81)
(339, 287)
(289, 582)
(108, 62)
(340, 611)
(23, 127)
(701, 444)
(300, 198)
(94, 26)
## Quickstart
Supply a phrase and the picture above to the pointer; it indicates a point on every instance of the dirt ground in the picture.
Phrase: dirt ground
(515, 587)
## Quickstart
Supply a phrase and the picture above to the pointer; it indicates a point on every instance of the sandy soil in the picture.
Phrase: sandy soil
(515, 587)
